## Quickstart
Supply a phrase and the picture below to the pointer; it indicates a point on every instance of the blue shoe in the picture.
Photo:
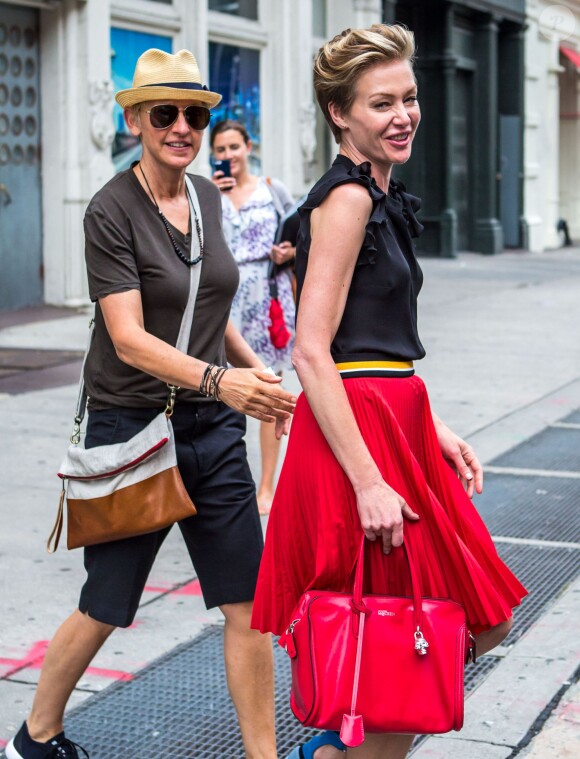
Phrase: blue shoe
(306, 750)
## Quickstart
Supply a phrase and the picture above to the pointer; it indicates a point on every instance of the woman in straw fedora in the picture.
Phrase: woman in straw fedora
(141, 239)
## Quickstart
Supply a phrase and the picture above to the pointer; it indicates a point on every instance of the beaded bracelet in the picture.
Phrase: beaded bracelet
(217, 382)
(211, 389)
(210, 380)
(204, 379)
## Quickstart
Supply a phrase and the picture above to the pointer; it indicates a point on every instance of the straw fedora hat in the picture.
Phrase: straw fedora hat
(160, 75)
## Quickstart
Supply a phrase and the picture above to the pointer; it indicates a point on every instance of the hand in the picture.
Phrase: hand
(257, 393)
(282, 427)
(461, 457)
(282, 253)
(381, 511)
(224, 183)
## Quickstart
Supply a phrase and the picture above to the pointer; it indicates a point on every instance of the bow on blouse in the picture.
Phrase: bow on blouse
(398, 202)
(398, 206)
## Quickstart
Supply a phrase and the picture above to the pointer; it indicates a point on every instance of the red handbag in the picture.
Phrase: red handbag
(279, 332)
(396, 662)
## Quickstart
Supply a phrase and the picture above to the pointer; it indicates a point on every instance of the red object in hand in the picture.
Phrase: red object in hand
(279, 332)
(399, 681)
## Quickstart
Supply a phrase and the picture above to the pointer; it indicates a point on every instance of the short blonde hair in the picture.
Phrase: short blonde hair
(341, 61)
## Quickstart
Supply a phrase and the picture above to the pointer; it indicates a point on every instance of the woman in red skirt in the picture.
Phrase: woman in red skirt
(366, 453)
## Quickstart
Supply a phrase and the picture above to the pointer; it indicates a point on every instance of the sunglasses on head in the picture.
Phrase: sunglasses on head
(163, 116)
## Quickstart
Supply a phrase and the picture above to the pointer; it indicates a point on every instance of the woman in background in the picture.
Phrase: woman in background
(252, 208)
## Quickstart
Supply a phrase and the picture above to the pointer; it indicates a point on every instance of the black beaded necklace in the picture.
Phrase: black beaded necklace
(176, 248)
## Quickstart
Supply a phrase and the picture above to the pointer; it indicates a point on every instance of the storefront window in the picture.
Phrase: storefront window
(126, 47)
(245, 8)
(235, 74)
(319, 18)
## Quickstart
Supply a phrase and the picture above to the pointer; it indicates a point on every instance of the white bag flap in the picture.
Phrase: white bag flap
(103, 461)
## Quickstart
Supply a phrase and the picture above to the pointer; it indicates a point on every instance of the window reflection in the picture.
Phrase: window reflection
(126, 47)
(245, 8)
(235, 74)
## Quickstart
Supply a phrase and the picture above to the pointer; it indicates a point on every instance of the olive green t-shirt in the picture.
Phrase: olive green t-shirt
(127, 248)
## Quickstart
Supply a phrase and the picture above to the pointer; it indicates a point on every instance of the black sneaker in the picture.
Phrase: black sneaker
(23, 747)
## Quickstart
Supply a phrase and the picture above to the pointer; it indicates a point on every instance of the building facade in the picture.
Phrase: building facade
(488, 179)
(468, 155)
(552, 126)
(61, 135)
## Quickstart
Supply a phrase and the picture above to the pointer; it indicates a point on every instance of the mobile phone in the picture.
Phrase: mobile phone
(224, 166)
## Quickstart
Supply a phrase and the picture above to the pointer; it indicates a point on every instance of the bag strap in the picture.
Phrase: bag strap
(182, 342)
(276, 199)
(279, 208)
(352, 729)
(75, 438)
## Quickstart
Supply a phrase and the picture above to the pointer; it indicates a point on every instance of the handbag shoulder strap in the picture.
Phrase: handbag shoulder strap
(182, 342)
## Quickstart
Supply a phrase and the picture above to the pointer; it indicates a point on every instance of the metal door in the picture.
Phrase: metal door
(509, 150)
(20, 193)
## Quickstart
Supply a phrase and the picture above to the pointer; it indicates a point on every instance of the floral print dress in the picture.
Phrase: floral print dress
(250, 233)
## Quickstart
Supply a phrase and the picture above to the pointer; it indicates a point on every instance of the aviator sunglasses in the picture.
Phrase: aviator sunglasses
(163, 116)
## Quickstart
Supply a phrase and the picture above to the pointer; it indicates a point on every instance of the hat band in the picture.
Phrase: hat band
(177, 85)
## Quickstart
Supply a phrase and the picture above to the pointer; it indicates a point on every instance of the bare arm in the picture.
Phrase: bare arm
(337, 232)
(240, 354)
(238, 351)
(247, 390)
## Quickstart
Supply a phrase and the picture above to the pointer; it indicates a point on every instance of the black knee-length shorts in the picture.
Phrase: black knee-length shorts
(224, 539)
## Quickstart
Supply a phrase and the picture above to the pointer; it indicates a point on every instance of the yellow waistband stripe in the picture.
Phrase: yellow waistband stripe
(374, 365)
(357, 369)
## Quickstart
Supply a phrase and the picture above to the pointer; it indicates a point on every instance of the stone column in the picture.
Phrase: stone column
(288, 115)
(488, 232)
(354, 14)
(448, 219)
(551, 146)
(77, 132)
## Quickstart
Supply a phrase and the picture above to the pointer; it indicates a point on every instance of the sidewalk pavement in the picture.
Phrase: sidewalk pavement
(503, 363)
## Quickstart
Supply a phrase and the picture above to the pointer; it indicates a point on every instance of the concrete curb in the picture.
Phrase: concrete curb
(520, 425)
(502, 710)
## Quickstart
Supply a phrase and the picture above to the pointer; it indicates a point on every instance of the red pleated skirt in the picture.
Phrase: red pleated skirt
(314, 528)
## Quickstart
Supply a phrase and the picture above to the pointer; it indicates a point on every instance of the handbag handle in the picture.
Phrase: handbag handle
(352, 728)
(357, 601)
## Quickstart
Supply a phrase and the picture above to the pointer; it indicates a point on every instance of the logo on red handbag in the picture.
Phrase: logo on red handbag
(385, 613)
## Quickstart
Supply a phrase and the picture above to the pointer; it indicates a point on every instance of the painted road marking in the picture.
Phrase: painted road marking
(34, 658)
(191, 588)
(521, 472)
(534, 542)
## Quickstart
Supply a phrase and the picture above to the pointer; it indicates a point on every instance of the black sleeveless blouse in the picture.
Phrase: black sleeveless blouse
(380, 316)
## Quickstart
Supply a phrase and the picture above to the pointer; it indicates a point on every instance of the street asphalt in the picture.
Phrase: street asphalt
(503, 364)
